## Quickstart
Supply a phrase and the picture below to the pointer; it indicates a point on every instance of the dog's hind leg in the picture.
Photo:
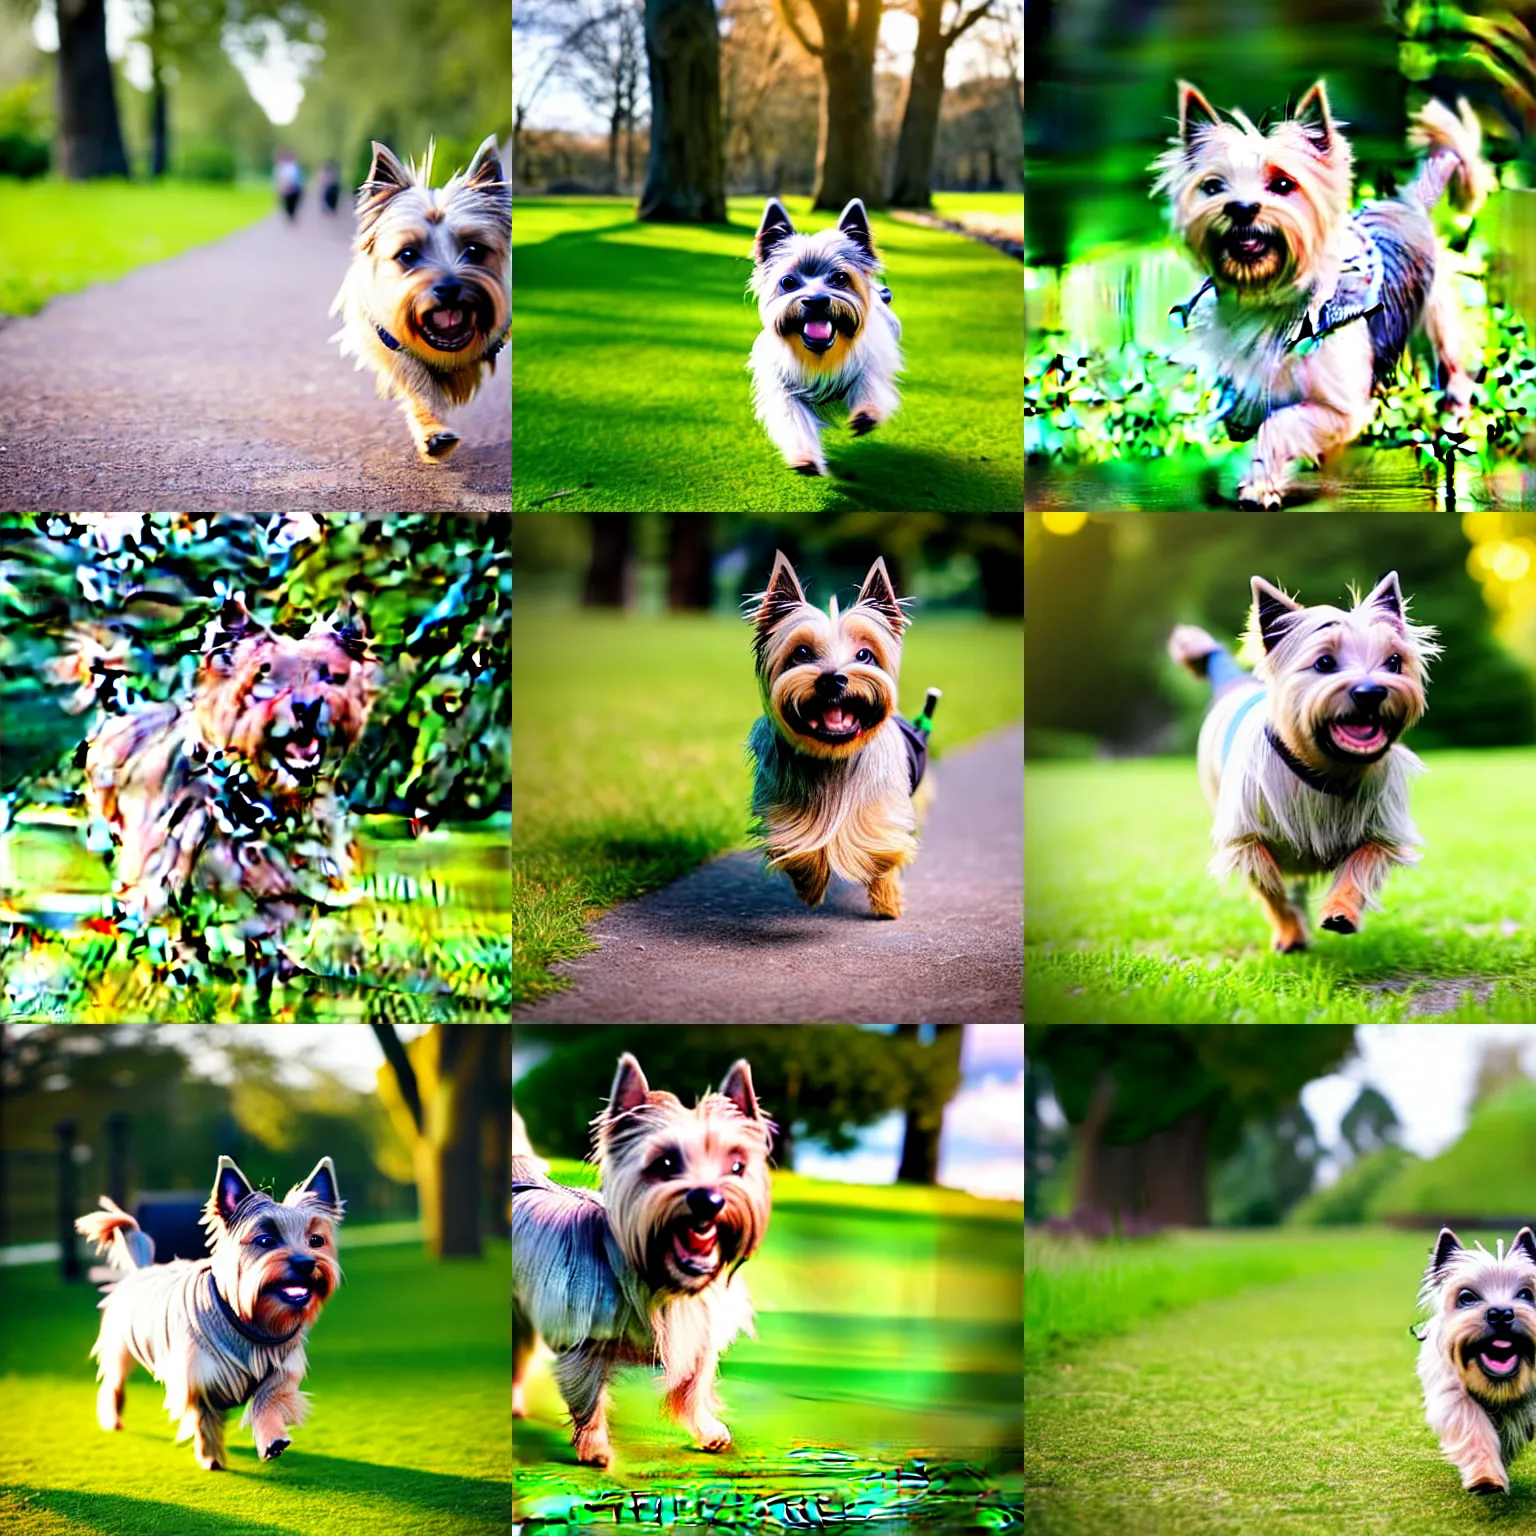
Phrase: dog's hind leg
(523, 1342)
(583, 1377)
(116, 1363)
(1443, 325)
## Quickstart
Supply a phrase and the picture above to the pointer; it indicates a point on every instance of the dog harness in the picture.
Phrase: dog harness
(1308, 776)
(1384, 280)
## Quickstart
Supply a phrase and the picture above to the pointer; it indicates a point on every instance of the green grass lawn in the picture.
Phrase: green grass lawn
(630, 345)
(57, 236)
(888, 1336)
(408, 1430)
(1125, 925)
(1272, 1407)
(630, 766)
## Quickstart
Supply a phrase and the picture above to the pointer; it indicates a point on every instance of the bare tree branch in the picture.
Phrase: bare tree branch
(786, 9)
(969, 20)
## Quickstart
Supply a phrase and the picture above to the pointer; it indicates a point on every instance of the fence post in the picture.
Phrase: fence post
(117, 1156)
(69, 1258)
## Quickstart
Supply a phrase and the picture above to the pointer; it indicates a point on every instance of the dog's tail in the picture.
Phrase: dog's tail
(117, 1237)
(1453, 145)
(1206, 657)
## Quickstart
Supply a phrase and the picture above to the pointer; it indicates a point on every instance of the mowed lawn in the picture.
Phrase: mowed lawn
(888, 1339)
(57, 236)
(1272, 1394)
(1125, 925)
(630, 346)
(408, 1430)
(631, 759)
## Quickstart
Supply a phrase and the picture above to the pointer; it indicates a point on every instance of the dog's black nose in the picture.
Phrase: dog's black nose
(705, 1203)
(820, 304)
(830, 685)
(447, 291)
(1367, 696)
(1498, 1315)
(1242, 213)
(304, 1268)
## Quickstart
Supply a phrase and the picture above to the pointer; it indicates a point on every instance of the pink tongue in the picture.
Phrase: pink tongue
(818, 330)
(445, 319)
(835, 720)
(1360, 735)
(699, 1242)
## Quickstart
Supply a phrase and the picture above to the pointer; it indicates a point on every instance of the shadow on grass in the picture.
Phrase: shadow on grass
(416, 1492)
(124, 1516)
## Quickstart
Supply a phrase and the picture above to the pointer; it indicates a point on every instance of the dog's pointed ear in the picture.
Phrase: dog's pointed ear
(854, 222)
(1315, 120)
(782, 595)
(1447, 1246)
(1273, 608)
(230, 1187)
(320, 1185)
(1195, 112)
(386, 173)
(630, 1088)
(773, 231)
(347, 625)
(878, 593)
(1387, 595)
(1525, 1241)
(485, 169)
(737, 1087)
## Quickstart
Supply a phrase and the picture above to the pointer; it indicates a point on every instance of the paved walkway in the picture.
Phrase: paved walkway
(207, 381)
(727, 945)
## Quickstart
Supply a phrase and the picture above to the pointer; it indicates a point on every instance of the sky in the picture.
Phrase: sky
(982, 1147)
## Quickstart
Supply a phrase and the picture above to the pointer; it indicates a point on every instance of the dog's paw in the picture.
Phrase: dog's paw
(1339, 922)
(439, 446)
(714, 1436)
(1487, 1485)
(861, 423)
(210, 1463)
(275, 1449)
(519, 1407)
(1289, 946)
(809, 467)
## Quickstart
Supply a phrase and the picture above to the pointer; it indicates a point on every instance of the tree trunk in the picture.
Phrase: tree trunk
(685, 174)
(607, 583)
(912, 181)
(1159, 1181)
(615, 122)
(936, 1077)
(847, 165)
(689, 585)
(90, 138)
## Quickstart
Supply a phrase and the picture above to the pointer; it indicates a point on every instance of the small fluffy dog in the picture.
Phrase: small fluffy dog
(1301, 761)
(230, 789)
(1306, 305)
(646, 1272)
(228, 1329)
(1477, 1358)
(836, 765)
(426, 303)
(830, 339)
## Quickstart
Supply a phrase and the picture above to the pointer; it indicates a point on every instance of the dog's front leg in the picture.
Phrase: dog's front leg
(1354, 888)
(809, 872)
(275, 1404)
(582, 1374)
(207, 1435)
(1470, 1443)
(1287, 921)
(692, 1402)
(434, 442)
(1305, 432)
(795, 429)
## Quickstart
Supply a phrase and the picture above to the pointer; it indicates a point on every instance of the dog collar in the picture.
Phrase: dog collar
(384, 336)
(1308, 776)
(239, 1324)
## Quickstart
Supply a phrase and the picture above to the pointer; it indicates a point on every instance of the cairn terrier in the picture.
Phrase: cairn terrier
(231, 790)
(646, 1272)
(426, 303)
(1477, 1356)
(224, 1330)
(1301, 760)
(830, 339)
(1307, 305)
(836, 766)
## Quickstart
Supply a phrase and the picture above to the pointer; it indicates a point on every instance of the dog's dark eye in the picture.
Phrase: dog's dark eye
(1325, 664)
(1467, 1298)
(667, 1166)
(789, 282)
(264, 1240)
(738, 1168)
(838, 280)
(474, 252)
(408, 257)
(1393, 663)
(1212, 185)
(801, 654)
(316, 1241)
(866, 655)
(1524, 1294)
(1281, 186)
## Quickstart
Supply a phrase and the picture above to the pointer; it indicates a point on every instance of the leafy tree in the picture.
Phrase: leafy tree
(1370, 1123)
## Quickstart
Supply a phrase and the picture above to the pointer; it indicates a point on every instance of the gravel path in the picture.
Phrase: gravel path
(727, 945)
(207, 381)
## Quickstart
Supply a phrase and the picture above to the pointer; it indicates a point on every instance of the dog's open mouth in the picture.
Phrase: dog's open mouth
(835, 723)
(302, 754)
(1357, 739)
(447, 330)
(1249, 245)
(1499, 1359)
(293, 1295)
(818, 335)
(696, 1247)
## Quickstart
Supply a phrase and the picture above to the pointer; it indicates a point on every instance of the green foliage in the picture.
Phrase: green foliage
(1348, 1201)
(408, 1431)
(200, 159)
(25, 150)
(1085, 404)
(630, 767)
(1271, 1170)
(1125, 924)
(603, 302)
(1490, 1171)
(62, 236)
